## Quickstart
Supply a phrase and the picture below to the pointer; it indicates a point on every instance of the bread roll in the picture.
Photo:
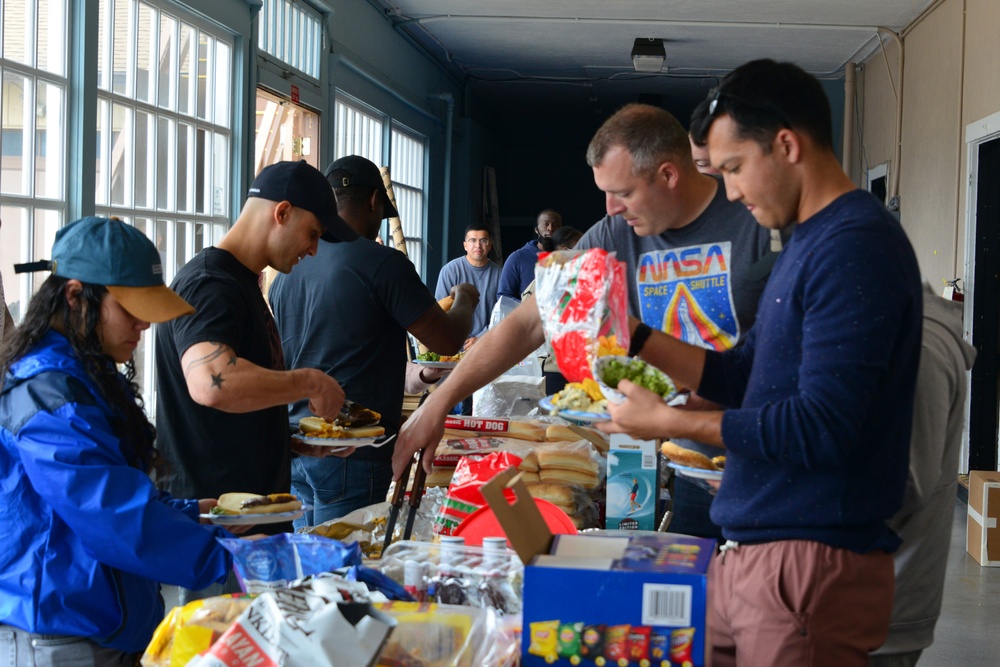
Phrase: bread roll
(529, 462)
(439, 476)
(497, 427)
(570, 477)
(316, 427)
(561, 432)
(552, 457)
(686, 457)
(456, 433)
(530, 477)
(558, 494)
(253, 503)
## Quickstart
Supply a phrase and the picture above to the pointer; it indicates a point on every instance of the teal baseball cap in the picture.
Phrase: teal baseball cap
(101, 251)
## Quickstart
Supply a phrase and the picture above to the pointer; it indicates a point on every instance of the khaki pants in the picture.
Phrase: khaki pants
(798, 603)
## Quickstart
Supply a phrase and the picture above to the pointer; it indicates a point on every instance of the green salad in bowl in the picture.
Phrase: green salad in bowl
(612, 369)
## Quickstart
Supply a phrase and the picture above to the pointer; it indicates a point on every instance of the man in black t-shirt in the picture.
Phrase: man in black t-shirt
(348, 310)
(222, 386)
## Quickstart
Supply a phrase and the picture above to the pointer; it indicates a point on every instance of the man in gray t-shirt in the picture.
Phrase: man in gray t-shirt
(689, 253)
(692, 281)
(477, 269)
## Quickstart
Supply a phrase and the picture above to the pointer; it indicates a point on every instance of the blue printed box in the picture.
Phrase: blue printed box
(633, 486)
(638, 601)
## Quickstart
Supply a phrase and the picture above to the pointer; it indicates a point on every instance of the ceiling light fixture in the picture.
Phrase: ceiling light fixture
(648, 55)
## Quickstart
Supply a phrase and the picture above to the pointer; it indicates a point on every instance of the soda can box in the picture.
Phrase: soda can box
(636, 601)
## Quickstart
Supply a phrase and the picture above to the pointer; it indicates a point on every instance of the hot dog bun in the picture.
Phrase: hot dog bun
(252, 503)
(686, 457)
(446, 303)
(554, 493)
(552, 457)
(572, 477)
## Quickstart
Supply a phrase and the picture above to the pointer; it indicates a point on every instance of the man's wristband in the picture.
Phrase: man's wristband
(639, 337)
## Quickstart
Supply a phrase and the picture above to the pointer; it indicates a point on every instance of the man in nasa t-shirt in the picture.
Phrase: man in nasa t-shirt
(693, 257)
(694, 282)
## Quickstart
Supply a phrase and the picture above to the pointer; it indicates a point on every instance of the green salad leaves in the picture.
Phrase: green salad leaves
(639, 372)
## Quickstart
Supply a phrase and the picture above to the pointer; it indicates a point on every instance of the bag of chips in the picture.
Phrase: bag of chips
(582, 299)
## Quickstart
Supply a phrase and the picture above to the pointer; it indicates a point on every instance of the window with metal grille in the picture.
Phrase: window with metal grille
(408, 160)
(33, 131)
(163, 133)
(291, 33)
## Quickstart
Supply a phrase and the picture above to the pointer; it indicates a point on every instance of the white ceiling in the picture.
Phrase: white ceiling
(551, 55)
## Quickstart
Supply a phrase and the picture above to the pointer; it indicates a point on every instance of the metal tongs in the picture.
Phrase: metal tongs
(399, 497)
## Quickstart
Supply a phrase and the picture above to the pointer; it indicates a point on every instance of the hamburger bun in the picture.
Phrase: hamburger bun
(317, 427)
(686, 457)
(253, 503)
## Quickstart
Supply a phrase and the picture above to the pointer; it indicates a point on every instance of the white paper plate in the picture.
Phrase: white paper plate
(253, 519)
(342, 443)
(696, 473)
(437, 364)
(576, 415)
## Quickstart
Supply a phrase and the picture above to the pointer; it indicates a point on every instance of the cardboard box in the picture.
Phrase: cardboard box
(644, 606)
(984, 507)
(622, 600)
(633, 486)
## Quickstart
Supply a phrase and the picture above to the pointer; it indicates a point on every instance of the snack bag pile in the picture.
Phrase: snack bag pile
(582, 300)
(277, 561)
(190, 630)
(323, 621)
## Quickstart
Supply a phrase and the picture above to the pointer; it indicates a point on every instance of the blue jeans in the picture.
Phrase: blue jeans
(18, 648)
(336, 487)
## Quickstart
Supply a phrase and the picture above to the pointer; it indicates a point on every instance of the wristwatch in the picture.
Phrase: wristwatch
(639, 336)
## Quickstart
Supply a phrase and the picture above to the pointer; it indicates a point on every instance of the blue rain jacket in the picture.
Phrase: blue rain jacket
(86, 537)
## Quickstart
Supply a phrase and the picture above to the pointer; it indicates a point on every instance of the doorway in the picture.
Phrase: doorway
(984, 392)
(284, 131)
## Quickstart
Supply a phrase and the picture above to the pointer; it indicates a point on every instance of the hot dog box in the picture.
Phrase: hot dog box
(632, 601)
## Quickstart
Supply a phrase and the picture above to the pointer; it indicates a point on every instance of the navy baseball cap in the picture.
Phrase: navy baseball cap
(356, 170)
(303, 186)
(101, 251)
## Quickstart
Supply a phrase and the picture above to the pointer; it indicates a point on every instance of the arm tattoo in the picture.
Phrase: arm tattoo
(220, 350)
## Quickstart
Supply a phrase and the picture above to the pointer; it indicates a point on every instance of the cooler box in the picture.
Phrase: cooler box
(631, 601)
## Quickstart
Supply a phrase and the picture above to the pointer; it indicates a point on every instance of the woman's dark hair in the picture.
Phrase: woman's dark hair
(135, 433)
(567, 236)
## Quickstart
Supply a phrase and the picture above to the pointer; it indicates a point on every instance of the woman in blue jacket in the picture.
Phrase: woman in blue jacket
(87, 535)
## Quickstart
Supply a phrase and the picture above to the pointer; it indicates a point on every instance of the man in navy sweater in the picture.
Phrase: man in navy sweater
(814, 409)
